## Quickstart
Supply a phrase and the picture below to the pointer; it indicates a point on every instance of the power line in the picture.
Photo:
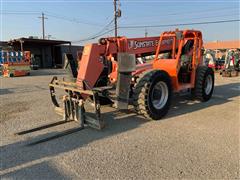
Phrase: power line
(72, 20)
(105, 27)
(200, 11)
(195, 18)
(180, 24)
(203, 11)
(75, 20)
(18, 13)
(101, 32)
(206, 11)
(209, 17)
(163, 25)
(126, 1)
(87, 39)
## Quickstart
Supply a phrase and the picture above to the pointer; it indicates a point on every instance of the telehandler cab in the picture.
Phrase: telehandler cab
(143, 72)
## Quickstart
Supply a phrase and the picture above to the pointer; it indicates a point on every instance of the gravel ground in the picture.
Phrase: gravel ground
(194, 141)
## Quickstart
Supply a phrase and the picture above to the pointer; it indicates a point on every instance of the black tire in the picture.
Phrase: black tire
(203, 86)
(144, 90)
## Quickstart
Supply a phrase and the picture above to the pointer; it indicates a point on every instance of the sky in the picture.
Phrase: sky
(80, 20)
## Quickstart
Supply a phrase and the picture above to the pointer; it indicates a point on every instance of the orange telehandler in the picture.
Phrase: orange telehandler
(143, 72)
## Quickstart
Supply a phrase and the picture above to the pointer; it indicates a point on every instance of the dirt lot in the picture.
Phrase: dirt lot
(195, 140)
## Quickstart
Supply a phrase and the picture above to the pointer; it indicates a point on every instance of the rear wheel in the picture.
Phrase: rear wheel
(152, 94)
(204, 83)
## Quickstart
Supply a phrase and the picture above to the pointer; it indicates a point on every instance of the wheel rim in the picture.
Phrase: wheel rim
(208, 84)
(159, 95)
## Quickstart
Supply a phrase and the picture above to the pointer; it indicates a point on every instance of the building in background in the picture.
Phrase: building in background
(4, 45)
(220, 47)
(47, 53)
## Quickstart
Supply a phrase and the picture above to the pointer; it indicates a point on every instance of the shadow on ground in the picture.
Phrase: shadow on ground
(222, 94)
(23, 89)
(44, 169)
(47, 72)
(182, 105)
(6, 91)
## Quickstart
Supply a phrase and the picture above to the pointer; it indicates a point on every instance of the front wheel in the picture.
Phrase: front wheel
(152, 94)
(204, 83)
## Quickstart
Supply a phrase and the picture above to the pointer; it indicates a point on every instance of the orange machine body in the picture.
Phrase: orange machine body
(91, 64)
(95, 56)
(172, 66)
(142, 72)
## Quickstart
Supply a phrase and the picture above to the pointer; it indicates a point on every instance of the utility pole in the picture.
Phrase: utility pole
(115, 17)
(43, 24)
(117, 14)
(146, 32)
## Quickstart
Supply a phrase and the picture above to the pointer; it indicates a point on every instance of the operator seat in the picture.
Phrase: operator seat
(185, 62)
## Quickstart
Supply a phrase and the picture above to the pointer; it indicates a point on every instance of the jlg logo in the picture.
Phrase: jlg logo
(133, 44)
